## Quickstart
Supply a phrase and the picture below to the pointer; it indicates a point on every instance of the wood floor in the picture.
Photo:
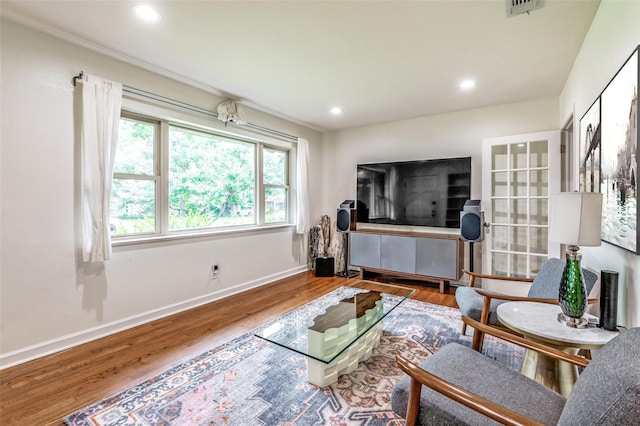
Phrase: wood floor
(43, 391)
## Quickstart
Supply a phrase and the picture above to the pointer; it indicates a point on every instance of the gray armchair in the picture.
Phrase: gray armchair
(460, 386)
(481, 305)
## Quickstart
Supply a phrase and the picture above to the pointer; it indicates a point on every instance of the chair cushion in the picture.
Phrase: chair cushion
(608, 390)
(470, 304)
(482, 375)
(547, 281)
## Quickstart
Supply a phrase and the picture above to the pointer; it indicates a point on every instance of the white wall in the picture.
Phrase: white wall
(457, 134)
(49, 298)
(614, 34)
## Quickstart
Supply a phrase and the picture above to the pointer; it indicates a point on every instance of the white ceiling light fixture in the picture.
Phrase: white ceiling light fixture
(228, 111)
(468, 84)
(147, 13)
(336, 110)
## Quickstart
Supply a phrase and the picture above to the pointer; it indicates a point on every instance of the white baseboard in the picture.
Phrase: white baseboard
(49, 347)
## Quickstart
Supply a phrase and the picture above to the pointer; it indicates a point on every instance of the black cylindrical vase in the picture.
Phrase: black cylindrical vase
(609, 300)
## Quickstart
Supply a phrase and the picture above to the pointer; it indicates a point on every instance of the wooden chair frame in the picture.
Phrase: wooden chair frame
(478, 335)
(490, 409)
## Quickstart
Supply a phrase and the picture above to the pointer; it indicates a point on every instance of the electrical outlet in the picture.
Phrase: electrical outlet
(215, 270)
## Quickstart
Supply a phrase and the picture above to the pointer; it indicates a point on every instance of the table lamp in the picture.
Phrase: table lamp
(575, 219)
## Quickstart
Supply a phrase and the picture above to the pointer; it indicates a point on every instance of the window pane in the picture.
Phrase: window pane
(538, 211)
(539, 156)
(275, 205)
(519, 211)
(539, 182)
(211, 181)
(536, 264)
(500, 210)
(519, 265)
(519, 184)
(275, 167)
(499, 183)
(499, 157)
(499, 264)
(132, 209)
(518, 156)
(539, 240)
(519, 238)
(499, 238)
(135, 148)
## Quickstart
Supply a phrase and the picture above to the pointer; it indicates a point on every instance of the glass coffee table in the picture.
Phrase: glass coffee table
(338, 330)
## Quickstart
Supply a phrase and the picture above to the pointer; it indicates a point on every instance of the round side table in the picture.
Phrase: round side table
(538, 322)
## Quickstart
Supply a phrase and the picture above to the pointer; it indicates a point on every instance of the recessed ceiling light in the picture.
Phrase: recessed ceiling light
(336, 111)
(467, 84)
(147, 13)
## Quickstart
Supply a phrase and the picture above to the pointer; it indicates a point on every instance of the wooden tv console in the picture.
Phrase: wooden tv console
(415, 255)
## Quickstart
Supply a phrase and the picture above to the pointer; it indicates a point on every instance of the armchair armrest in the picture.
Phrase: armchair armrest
(474, 275)
(527, 344)
(490, 409)
(501, 296)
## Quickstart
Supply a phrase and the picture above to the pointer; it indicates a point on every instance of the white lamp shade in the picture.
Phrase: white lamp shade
(575, 218)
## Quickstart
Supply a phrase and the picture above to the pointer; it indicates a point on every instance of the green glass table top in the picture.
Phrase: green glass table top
(324, 328)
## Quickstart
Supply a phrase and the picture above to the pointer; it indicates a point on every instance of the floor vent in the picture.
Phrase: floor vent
(517, 7)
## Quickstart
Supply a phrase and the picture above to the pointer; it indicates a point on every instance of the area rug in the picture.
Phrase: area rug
(249, 381)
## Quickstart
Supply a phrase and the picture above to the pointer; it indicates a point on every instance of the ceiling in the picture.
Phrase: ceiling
(378, 60)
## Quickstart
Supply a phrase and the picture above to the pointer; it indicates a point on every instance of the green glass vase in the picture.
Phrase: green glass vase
(573, 292)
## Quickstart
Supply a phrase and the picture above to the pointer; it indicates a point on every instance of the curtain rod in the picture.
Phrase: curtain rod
(193, 108)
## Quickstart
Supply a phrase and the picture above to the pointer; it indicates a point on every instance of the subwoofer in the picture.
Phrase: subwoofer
(325, 267)
(471, 226)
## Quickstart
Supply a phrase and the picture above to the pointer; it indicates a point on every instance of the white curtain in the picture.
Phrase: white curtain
(302, 185)
(101, 102)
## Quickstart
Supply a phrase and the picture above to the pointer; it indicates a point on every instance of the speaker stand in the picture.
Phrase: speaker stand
(471, 256)
(347, 273)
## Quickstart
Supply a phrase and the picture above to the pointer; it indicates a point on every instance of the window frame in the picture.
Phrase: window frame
(163, 122)
(286, 186)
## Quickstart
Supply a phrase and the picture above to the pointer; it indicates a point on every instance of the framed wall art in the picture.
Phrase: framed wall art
(618, 174)
(590, 149)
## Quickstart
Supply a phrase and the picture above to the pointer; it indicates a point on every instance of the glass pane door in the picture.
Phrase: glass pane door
(519, 174)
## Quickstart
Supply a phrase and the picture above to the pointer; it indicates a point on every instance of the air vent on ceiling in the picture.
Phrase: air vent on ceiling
(517, 7)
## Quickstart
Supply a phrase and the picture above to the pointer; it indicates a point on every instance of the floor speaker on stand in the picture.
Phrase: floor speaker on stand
(471, 226)
(346, 217)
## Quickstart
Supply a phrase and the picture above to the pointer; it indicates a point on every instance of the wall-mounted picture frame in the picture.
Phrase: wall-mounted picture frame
(590, 149)
(608, 153)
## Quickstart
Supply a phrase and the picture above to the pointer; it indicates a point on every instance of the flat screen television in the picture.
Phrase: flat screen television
(420, 193)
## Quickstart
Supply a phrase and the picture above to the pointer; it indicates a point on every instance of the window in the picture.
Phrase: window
(133, 207)
(276, 190)
(175, 179)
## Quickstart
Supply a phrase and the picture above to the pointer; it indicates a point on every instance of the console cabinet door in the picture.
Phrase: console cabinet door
(365, 250)
(437, 257)
(398, 253)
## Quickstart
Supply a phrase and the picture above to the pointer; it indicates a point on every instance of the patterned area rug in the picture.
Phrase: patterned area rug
(249, 381)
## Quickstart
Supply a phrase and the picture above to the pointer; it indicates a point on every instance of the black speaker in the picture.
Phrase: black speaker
(472, 226)
(325, 267)
(609, 300)
(346, 218)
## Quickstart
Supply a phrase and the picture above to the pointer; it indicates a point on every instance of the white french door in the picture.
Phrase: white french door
(519, 173)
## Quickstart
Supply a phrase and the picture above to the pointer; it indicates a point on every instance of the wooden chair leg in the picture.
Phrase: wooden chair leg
(476, 341)
(413, 405)
(464, 329)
